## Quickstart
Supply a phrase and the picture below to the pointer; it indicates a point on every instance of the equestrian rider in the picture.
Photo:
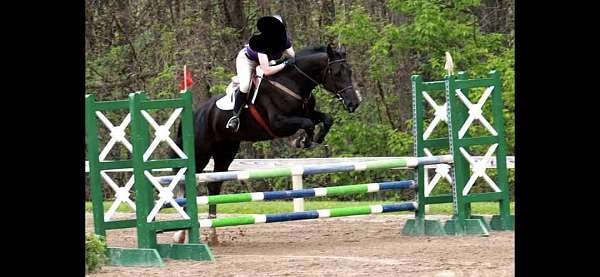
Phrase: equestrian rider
(270, 44)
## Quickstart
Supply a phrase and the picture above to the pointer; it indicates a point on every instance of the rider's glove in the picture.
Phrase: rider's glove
(289, 61)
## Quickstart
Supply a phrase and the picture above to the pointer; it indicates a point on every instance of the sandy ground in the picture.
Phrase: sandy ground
(370, 245)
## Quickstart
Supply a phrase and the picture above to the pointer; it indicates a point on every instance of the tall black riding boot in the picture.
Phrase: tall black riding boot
(240, 101)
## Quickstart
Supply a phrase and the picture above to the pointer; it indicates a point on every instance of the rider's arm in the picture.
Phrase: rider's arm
(263, 60)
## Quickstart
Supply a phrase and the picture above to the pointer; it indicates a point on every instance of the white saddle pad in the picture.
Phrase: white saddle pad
(226, 102)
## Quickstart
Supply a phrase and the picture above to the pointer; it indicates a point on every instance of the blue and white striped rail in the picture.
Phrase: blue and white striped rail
(337, 212)
(301, 193)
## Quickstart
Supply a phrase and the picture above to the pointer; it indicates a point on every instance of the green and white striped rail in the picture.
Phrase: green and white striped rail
(301, 193)
(315, 169)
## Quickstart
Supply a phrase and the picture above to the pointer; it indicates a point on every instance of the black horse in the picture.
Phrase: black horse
(283, 113)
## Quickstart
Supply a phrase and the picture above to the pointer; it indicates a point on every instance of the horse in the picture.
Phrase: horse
(282, 113)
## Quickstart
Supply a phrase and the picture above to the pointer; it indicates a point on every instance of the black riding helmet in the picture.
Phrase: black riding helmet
(273, 35)
(271, 24)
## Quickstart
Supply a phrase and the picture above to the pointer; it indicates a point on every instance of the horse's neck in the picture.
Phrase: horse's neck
(314, 70)
(304, 86)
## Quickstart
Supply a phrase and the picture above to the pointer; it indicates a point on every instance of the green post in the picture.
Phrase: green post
(418, 116)
(191, 193)
(91, 139)
(460, 113)
(144, 191)
(419, 225)
(503, 221)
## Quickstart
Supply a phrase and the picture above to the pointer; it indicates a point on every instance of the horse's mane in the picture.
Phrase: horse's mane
(311, 50)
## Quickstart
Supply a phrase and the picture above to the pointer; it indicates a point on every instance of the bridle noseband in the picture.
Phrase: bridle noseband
(327, 70)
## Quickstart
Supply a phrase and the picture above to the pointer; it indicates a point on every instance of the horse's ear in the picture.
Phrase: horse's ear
(342, 50)
(330, 52)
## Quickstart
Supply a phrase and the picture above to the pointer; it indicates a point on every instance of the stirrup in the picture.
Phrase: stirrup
(233, 122)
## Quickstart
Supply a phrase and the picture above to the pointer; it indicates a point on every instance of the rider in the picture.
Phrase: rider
(270, 44)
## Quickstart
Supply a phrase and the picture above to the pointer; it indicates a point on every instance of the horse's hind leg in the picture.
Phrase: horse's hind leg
(201, 162)
(202, 159)
(224, 154)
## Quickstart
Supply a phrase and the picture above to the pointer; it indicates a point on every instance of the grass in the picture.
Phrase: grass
(272, 207)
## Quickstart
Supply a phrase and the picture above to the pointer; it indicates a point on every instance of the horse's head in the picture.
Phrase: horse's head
(337, 78)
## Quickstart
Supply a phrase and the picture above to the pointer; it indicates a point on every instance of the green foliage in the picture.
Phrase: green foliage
(355, 29)
(222, 79)
(95, 252)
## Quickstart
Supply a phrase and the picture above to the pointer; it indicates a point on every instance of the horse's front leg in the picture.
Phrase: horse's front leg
(327, 120)
(305, 140)
(291, 124)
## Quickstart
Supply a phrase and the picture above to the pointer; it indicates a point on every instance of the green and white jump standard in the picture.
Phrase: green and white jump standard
(459, 114)
(463, 113)
(149, 252)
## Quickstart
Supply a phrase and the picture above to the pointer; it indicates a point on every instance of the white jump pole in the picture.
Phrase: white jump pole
(297, 184)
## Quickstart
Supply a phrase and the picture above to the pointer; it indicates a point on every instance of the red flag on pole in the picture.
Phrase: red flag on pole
(187, 79)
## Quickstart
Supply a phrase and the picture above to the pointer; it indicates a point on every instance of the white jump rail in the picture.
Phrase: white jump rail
(250, 164)
(297, 181)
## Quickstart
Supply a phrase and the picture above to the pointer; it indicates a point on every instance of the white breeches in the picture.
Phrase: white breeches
(245, 69)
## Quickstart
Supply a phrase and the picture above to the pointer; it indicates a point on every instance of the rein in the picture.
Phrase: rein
(327, 69)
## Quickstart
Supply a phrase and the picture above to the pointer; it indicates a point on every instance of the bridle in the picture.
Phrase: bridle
(327, 70)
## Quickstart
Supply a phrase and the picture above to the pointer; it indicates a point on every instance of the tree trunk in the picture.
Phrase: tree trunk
(385, 106)
(233, 11)
(264, 7)
(123, 16)
(89, 28)
(327, 17)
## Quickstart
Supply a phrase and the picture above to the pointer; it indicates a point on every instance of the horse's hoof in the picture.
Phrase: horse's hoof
(179, 236)
(297, 143)
(213, 240)
(309, 145)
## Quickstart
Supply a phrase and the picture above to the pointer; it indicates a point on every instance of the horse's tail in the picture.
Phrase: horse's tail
(179, 137)
(178, 142)
(179, 190)
(199, 121)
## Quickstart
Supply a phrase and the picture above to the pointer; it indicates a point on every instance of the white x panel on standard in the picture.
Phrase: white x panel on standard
(475, 112)
(479, 169)
(441, 171)
(165, 194)
(121, 195)
(440, 115)
(162, 133)
(117, 134)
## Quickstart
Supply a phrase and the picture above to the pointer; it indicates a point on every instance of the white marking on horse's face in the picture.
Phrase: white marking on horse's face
(358, 95)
